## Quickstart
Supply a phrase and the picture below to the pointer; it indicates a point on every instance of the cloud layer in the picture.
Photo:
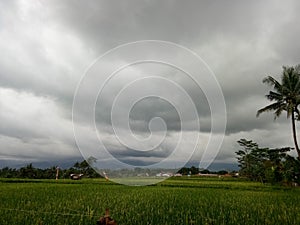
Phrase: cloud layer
(47, 47)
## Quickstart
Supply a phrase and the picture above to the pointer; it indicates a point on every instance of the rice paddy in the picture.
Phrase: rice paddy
(175, 201)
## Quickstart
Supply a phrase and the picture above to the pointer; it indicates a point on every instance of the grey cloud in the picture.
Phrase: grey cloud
(117, 23)
(47, 46)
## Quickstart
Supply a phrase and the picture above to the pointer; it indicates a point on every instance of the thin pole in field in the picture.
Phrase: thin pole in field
(57, 173)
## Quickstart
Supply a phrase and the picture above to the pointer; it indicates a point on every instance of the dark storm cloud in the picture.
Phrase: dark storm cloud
(47, 45)
(138, 158)
(115, 23)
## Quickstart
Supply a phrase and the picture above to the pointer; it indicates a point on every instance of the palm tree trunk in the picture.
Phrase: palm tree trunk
(294, 135)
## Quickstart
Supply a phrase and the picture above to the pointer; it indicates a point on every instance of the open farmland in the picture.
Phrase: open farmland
(175, 201)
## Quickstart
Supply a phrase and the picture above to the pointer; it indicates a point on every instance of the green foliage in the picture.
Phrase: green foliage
(31, 172)
(291, 170)
(189, 171)
(250, 160)
(267, 165)
(182, 201)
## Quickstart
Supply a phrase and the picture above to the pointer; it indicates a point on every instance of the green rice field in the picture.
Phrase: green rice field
(176, 201)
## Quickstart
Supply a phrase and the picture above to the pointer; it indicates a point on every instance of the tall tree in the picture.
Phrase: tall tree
(266, 165)
(251, 160)
(286, 97)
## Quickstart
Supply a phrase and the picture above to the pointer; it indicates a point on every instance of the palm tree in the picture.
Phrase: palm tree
(286, 96)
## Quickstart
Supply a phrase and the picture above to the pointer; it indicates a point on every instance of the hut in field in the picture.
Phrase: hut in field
(75, 176)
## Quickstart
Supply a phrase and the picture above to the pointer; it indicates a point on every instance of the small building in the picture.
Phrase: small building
(178, 175)
(74, 176)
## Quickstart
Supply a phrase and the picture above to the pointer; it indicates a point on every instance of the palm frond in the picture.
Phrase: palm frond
(278, 107)
(274, 96)
(272, 82)
(297, 86)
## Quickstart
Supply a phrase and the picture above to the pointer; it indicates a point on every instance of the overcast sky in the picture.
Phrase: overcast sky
(47, 46)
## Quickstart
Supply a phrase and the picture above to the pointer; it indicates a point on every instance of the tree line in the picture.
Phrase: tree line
(267, 165)
(29, 171)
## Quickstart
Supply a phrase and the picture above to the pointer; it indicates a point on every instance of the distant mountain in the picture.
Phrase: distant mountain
(223, 166)
(216, 166)
(63, 163)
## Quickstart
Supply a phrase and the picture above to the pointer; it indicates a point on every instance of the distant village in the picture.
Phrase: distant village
(83, 170)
